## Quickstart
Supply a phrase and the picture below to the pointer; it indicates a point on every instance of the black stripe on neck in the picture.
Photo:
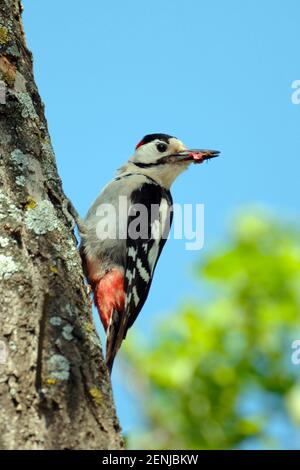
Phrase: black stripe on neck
(140, 174)
(161, 161)
(144, 165)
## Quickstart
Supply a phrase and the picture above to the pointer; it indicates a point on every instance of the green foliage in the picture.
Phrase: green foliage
(209, 360)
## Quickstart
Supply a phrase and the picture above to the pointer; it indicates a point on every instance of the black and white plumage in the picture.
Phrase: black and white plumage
(142, 254)
(120, 264)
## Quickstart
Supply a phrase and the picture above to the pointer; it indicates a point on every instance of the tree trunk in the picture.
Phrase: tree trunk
(55, 392)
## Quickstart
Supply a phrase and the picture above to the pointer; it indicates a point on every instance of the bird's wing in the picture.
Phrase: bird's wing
(149, 222)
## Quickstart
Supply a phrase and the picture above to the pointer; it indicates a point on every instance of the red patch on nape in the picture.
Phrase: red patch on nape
(109, 295)
(141, 142)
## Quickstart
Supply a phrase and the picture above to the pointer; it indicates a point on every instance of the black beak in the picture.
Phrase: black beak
(196, 155)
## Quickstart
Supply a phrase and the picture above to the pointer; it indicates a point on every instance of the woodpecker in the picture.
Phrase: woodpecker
(119, 264)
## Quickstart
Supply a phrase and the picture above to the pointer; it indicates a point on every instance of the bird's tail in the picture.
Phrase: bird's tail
(113, 339)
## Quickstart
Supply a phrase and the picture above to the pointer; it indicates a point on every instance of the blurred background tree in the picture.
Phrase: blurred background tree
(219, 373)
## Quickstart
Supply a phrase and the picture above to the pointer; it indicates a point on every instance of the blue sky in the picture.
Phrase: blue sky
(215, 74)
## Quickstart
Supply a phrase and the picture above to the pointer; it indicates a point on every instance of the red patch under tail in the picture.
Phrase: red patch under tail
(109, 295)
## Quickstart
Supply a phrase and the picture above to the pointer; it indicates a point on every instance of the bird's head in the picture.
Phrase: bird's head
(164, 157)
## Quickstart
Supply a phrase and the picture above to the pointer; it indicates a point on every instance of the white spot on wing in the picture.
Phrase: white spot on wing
(142, 271)
(128, 299)
(155, 229)
(130, 275)
(132, 252)
(152, 257)
(159, 225)
(135, 296)
(164, 214)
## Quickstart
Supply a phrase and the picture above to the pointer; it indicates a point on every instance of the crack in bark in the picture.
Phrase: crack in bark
(39, 361)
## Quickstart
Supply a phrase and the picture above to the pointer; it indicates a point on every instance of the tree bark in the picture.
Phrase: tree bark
(55, 392)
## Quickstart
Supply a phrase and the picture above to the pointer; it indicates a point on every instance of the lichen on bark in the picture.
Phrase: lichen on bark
(55, 391)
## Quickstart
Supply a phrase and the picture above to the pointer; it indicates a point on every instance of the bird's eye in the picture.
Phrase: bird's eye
(161, 147)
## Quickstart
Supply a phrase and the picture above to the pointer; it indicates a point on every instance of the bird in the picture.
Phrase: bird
(119, 247)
